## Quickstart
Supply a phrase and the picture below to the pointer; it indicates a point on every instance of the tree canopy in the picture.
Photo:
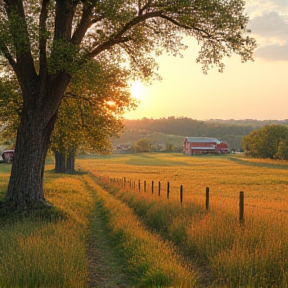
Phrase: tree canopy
(61, 35)
(231, 133)
(45, 43)
(90, 114)
(268, 142)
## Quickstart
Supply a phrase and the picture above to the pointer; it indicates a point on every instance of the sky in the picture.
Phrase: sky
(251, 90)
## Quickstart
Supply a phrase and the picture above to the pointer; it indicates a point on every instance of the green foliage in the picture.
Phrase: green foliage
(136, 27)
(282, 152)
(91, 111)
(47, 43)
(142, 145)
(229, 132)
(121, 34)
(66, 57)
(268, 142)
(10, 103)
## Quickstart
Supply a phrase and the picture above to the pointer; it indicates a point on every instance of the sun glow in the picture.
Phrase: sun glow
(137, 90)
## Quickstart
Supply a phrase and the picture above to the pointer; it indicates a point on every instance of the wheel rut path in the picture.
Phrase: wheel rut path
(106, 268)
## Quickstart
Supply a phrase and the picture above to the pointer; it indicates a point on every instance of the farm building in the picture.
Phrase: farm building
(204, 145)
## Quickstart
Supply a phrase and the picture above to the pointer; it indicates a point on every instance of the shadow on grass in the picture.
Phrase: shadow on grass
(152, 159)
(45, 213)
(255, 164)
(52, 172)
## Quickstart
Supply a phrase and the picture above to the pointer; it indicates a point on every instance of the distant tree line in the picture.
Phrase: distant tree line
(270, 141)
(230, 131)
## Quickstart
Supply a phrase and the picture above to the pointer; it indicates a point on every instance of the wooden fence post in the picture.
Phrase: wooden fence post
(168, 189)
(139, 185)
(181, 194)
(241, 207)
(159, 188)
(207, 198)
(152, 186)
(144, 185)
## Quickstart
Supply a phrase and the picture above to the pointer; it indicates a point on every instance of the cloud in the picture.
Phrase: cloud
(261, 5)
(273, 52)
(281, 3)
(270, 24)
(271, 32)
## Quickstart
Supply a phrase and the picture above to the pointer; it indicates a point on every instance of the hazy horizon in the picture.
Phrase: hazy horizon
(211, 119)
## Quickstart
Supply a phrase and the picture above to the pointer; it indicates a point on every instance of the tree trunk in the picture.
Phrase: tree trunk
(70, 166)
(39, 113)
(25, 189)
(64, 164)
(60, 162)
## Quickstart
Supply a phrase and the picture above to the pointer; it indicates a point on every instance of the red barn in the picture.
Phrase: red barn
(204, 145)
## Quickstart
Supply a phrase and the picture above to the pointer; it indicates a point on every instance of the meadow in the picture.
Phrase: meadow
(229, 254)
(40, 252)
(161, 242)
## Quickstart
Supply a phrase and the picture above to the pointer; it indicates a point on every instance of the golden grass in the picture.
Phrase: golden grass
(39, 253)
(153, 262)
(251, 255)
(263, 187)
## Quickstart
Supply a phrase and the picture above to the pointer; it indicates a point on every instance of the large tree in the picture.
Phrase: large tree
(267, 142)
(90, 113)
(45, 42)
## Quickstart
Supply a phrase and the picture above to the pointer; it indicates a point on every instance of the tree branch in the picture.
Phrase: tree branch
(24, 59)
(8, 56)
(84, 24)
(117, 38)
(107, 45)
(63, 20)
(76, 96)
(204, 33)
(146, 6)
(43, 38)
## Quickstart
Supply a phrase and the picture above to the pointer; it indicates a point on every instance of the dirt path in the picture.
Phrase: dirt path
(105, 267)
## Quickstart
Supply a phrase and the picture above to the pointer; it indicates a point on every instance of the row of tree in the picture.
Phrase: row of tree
(271, 141)
(186, 127)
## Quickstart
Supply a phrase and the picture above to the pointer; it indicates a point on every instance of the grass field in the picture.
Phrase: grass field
(162, 242)
(251, 255)
(36, 252)
(264, 182)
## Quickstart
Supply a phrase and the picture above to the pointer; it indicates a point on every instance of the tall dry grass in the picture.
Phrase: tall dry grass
(152, 261)
(251, 255)
(42, 253)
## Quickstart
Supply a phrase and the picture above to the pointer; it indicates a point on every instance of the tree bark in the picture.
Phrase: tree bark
(60, 162)
(70, 166)
(64, 164)
(25, 189)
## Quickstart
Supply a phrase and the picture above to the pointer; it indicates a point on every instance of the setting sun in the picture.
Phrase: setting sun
(137, 90)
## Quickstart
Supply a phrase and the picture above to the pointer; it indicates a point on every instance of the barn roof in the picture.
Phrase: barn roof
(202, 140)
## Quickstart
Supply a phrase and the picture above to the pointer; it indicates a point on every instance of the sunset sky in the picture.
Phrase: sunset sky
(253, 90)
